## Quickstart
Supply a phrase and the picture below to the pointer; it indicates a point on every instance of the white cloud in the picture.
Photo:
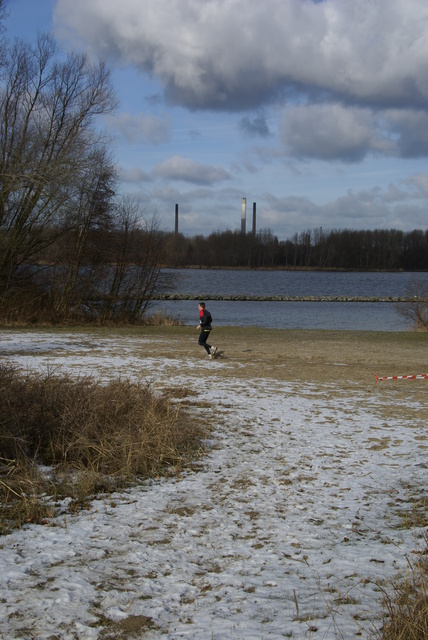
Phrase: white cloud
(410, 128)
(329, 132)
(419, 183)
(364, 209)
(140, 128)
(255, 126)
(134, 175)
(240, 54)
(184, 169)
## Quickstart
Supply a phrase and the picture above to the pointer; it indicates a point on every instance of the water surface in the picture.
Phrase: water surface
(360, 316)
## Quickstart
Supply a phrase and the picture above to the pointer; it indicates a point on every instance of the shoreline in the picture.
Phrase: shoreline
(247, 298)
(314, 269)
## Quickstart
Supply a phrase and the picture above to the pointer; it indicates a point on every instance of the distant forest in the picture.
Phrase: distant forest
(379, 249)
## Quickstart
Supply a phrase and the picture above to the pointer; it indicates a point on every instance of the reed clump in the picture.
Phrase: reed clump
(405, 603)
(161, 319)
(41, 317)
(77, 437)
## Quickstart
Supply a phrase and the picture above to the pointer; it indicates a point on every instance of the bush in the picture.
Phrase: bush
(90, 436)
(416, 310)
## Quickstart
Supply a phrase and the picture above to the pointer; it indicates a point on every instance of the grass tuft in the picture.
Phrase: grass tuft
(161, 319)
(405, 603)
(77, 437)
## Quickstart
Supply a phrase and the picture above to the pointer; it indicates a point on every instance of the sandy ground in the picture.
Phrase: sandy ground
(351, 359)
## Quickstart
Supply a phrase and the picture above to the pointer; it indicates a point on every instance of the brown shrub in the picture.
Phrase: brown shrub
(118, 430)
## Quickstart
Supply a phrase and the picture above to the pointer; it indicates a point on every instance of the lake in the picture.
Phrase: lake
(364, 316)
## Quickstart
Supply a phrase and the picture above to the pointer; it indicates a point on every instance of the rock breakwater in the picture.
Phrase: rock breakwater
(245, 298)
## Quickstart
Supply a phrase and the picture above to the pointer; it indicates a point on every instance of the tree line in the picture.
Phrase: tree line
(379, 249)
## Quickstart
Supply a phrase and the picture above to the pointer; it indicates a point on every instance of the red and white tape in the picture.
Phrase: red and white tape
(418, 376)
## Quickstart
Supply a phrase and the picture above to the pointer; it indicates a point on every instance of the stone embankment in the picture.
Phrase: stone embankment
(244, 298)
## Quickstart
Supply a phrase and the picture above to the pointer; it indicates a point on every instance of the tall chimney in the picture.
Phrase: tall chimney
(243, 214)
(254, 218)
(176, 219)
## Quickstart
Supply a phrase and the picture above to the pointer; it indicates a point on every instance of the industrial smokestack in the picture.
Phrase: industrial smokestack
(243, 214)
(176, 219)
(254, 218)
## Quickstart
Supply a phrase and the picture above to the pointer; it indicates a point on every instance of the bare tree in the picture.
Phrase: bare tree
(47, 111)
(136, 253)
(2, 30)
(416, 309)
(78, 258)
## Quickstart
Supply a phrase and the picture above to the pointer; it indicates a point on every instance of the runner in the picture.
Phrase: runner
(205, 325)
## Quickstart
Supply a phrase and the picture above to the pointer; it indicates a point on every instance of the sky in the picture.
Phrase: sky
(317, 111)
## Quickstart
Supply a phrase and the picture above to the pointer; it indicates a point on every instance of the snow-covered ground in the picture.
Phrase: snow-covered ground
(288, 530)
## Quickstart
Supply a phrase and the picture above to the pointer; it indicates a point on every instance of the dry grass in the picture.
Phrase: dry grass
(417, 310)
(21, 493)
(87, 437)
(405, 604)
(161, 319)
(35, 314)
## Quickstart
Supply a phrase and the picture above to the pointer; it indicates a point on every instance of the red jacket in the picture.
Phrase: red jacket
(205, 320)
